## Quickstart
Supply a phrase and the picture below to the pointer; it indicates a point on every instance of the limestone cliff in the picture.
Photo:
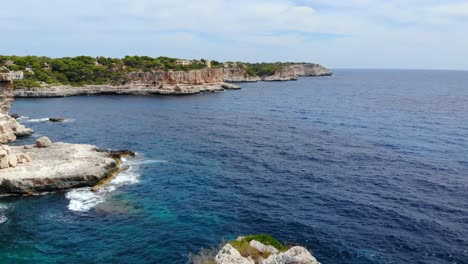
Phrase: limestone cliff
(291, 72)
(238, 74)
(9, 127)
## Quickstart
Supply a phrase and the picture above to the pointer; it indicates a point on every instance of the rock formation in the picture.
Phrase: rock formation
(9, 127)
(294, 255)
(60, 166)
(292, 72)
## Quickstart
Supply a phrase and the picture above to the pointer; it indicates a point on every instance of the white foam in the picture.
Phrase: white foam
(22, 117)
(84, 199)
(153, 161)
(36, 120)
(3, 217)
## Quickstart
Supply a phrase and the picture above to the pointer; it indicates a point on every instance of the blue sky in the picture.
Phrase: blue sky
(412, 34)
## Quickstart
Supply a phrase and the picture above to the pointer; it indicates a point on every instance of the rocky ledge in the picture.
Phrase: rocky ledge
(135, 88)
(48, 167)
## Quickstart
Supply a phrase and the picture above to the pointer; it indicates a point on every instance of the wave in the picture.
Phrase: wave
(84, 199)
(36, 120)
(153, 161)
(3, 217)
(26, 119)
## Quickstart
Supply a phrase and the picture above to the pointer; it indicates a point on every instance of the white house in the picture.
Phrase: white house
(17, 75)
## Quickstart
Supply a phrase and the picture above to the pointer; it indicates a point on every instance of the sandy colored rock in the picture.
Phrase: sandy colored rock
(9, 127)
(58, 167)
(13, 160)
(263, 248)
(43, 142)
(23, 158)
(230, 255)
(295, 255)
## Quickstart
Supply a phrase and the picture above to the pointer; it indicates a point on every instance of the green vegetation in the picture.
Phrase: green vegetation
(82, 70)
(244, 244)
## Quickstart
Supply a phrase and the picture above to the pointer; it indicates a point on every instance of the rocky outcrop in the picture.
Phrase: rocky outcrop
(60, 166)
(10, 129)
(46, 166)
(295, 255)
(292, 72)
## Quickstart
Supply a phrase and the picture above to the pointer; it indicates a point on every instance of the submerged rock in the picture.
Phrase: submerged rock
(57, 119)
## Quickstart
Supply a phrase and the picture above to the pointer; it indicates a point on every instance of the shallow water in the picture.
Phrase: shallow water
(362, 167)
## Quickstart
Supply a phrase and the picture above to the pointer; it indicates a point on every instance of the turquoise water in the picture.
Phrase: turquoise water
(361, 167)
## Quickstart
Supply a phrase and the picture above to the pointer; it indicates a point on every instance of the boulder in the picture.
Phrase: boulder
(23, 158)
(295, 255)
(43, 142)
(15, 116)
(4, 159)
(263, 248)
(230, 255)
(13, 160)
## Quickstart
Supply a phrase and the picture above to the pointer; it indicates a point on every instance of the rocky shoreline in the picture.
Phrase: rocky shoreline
(47, 166)
(177, 82)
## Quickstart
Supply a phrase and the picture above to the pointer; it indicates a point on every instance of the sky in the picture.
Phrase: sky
(392, 34)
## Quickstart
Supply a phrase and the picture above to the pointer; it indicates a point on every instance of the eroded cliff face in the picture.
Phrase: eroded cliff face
(291, 72)
(9, 127)
(238, 74)
(220, 75)
(194, 77)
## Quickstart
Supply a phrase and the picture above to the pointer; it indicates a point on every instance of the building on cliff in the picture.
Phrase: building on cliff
(183, 62)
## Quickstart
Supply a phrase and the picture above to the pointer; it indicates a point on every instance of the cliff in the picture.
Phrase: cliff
(177, 82)
(10, 129)
(292, 72)
(238, 74)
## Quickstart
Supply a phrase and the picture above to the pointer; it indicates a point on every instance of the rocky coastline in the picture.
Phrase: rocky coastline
(47, 166)
(176, 82)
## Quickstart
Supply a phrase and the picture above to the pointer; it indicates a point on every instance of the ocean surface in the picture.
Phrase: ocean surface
(366, 166)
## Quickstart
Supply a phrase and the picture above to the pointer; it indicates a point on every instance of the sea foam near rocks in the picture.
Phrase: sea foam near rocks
(85, 199)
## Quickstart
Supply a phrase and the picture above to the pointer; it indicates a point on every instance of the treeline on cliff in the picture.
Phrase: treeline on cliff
(83, 70)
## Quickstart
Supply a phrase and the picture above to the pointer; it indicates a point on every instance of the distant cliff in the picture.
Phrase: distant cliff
(173, 82)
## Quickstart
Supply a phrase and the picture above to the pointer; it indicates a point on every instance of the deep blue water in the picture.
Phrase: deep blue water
(362, 167)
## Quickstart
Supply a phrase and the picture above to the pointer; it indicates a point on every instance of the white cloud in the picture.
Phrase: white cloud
(369, 33)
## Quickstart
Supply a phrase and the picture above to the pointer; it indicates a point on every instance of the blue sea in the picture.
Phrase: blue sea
(366, 166)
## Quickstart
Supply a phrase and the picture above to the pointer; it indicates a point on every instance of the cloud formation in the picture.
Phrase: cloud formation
(351, 34)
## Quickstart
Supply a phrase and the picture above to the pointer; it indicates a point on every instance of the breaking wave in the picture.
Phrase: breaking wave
(84, 199)
(3, 217)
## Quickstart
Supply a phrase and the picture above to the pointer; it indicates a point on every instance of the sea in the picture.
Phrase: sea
(365, 166)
